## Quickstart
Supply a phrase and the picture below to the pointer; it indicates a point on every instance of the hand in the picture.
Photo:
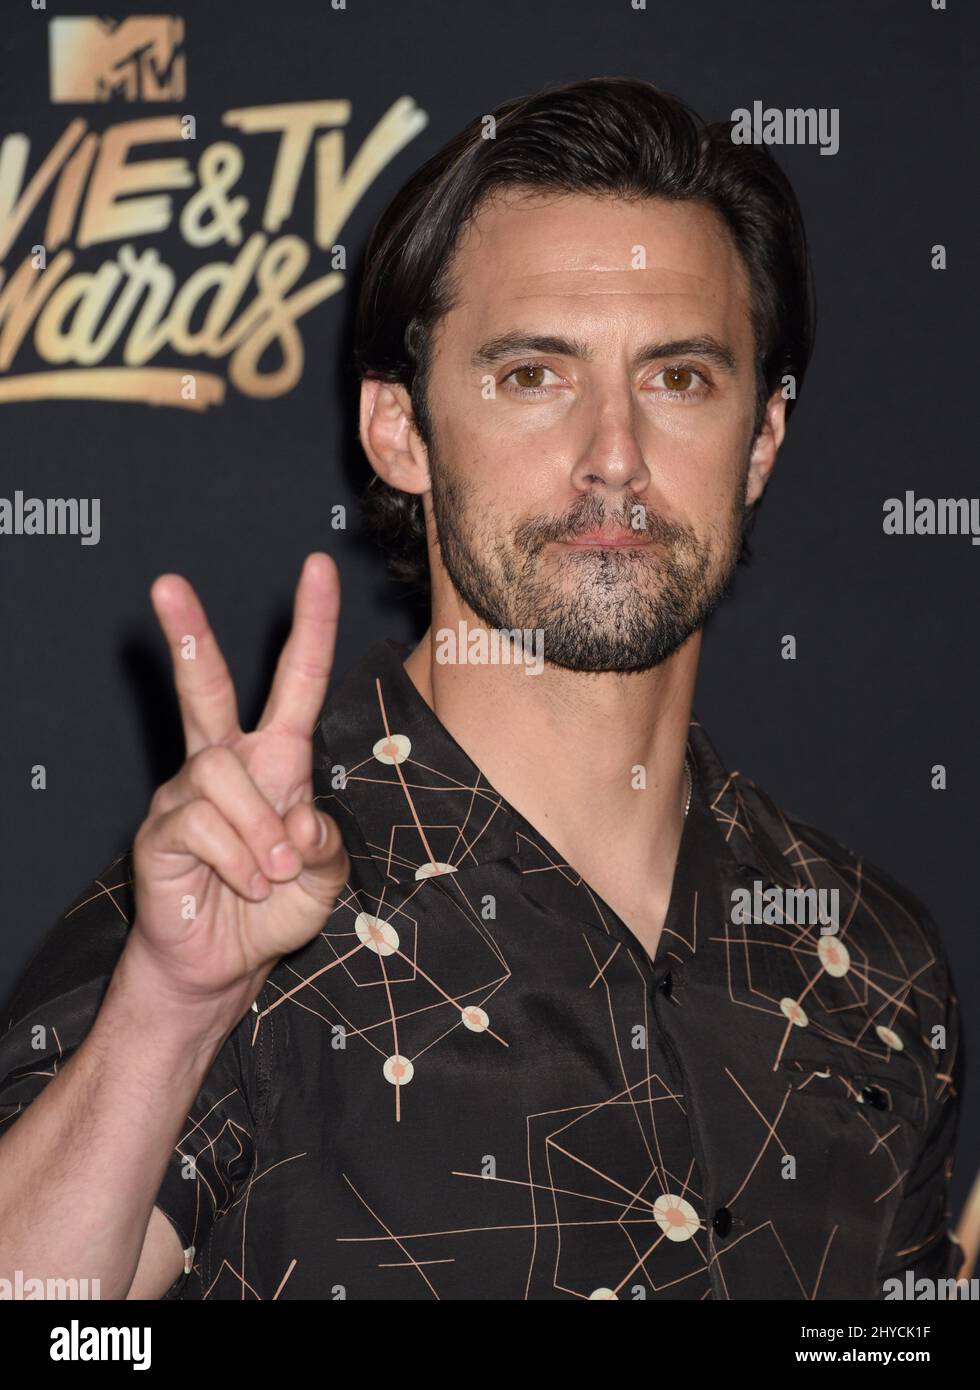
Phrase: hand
(234, 834)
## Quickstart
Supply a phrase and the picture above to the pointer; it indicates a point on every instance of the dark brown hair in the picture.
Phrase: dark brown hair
(605, 136)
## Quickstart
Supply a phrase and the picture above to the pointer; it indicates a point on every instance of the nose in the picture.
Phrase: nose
(612, 459)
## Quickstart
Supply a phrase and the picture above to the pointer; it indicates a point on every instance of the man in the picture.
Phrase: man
(533, 1002)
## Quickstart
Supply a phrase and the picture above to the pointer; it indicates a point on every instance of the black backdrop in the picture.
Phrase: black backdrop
(885, 682)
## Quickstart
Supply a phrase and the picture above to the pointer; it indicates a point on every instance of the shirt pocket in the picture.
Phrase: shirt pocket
(874, 1091)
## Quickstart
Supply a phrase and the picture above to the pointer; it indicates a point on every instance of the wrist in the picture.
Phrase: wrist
(149, 999)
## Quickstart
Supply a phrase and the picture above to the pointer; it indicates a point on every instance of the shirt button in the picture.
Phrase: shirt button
(665, 985)
(875, 1096)
(722, 1221)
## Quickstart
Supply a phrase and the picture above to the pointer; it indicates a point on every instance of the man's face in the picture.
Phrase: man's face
(634, 421)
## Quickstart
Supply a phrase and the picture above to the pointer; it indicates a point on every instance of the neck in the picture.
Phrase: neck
(594, 761)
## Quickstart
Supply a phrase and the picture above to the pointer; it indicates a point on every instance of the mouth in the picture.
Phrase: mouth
(615, 538)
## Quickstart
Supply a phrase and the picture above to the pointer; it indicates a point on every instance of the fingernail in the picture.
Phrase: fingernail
(284, 858)
(259, 884)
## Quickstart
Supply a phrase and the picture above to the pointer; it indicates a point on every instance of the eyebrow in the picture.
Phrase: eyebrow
(510, 344)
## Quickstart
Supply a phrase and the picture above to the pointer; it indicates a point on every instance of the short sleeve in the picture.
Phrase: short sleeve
(922, 1241)
(51, 1010)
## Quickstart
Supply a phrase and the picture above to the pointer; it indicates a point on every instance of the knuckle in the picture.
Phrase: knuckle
(161, 801)
(198, 817)
(208, 765)
(306, 669)
(267, 828)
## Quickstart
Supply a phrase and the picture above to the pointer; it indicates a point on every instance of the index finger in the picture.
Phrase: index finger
(303, 670)
(208, 707)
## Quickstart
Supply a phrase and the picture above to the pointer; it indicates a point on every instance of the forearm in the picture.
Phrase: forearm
(81, 1167)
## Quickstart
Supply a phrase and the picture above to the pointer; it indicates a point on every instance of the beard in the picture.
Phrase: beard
(623, 610)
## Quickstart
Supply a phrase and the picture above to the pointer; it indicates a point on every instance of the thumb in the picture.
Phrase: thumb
(326, 866)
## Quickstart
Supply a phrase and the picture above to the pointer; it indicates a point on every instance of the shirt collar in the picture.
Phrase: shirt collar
(749, 821)
(377, 728)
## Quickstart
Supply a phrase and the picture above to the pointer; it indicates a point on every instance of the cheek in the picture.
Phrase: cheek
(498, 471)
(696, 468)
(710, 430)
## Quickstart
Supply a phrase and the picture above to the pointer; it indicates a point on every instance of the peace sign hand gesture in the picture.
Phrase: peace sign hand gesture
(233, 866)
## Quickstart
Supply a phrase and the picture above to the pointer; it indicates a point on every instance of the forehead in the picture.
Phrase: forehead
(538, 253)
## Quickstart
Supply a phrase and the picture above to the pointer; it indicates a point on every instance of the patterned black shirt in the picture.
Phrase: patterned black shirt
(474, 1083)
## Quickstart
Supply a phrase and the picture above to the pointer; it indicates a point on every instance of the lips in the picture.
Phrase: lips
(613, 537)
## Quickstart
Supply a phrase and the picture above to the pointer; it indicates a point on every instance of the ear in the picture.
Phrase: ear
(389, 438)
(765, 448)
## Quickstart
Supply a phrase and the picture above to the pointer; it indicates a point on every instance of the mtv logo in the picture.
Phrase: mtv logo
(92, 59)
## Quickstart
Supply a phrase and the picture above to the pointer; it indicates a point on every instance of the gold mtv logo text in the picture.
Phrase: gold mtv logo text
(93, 59)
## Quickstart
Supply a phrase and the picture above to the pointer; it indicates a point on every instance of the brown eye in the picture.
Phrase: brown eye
(678, 378)
(531, 371)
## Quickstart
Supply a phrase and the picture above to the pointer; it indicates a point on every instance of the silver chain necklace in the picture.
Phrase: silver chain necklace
(690, 785)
